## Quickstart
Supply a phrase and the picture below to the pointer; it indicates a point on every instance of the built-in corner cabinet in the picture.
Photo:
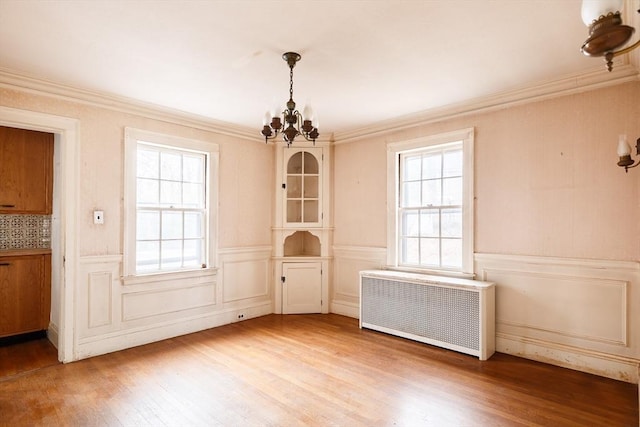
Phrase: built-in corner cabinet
(26, 171)
(302, 231)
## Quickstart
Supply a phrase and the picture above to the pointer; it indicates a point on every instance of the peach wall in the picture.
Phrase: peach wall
(546, 179)
(246, 169)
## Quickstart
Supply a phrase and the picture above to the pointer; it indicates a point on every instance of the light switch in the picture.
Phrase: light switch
(98, 217)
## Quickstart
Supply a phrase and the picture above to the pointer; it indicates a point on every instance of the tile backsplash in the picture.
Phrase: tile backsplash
(25, 232)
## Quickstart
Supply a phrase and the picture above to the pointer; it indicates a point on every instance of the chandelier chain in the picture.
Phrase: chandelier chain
(291, 83)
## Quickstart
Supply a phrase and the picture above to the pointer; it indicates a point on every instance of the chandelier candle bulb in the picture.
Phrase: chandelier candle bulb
(594, 9)
(624, 149)
(307, 112)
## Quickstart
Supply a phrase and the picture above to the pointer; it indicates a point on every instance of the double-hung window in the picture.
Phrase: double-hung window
(431, 190)
(169, 184)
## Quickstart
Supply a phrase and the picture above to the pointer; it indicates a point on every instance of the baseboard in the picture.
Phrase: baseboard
(52, 334)
(344, 308)
(121, 340)
(605, 365)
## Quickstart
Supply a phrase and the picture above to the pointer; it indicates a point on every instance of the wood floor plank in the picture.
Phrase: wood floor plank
(309, 370)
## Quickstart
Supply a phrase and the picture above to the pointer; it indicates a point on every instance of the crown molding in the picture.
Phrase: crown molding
(37, 86)
(595, 78)
(624, 71)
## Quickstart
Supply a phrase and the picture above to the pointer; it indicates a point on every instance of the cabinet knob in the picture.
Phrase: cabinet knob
(5, 264)
(7, 206)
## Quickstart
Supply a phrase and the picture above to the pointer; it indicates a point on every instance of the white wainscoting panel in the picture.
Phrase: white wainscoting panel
(113, 313)
(138, 305)
(246, 274)
(100, 299)
(98, 295)
(581, 314)
(348, 261)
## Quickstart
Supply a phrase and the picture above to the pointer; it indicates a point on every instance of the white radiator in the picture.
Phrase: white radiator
(457, 314)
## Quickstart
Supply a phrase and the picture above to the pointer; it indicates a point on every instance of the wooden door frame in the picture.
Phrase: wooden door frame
(64, 249)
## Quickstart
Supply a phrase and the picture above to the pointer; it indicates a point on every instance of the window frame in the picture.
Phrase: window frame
(132, 137)
(394, 152)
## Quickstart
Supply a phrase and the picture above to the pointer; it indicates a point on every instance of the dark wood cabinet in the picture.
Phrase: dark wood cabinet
(25, 293)
(26, 175)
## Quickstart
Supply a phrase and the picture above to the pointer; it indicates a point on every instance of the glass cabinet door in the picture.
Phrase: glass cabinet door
(303, 188)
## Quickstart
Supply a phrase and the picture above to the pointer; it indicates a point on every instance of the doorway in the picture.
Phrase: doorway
(64, 219)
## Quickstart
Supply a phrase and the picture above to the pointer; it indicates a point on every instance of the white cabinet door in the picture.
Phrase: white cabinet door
(302, 184)
(301, 287)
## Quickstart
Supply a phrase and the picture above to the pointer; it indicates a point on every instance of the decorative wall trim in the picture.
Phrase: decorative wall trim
(112, 315)
(344, 308)
(249, 266)
(596, 78)
(606, 365)
(578, 313)
(100, 290)
(120, 340)
(348, 261)
(13, 80)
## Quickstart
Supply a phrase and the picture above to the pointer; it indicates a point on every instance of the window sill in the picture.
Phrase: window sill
(168, 276)
(445, 273)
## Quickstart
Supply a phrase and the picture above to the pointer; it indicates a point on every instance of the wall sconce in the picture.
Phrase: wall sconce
(624, 152)
(606, 31)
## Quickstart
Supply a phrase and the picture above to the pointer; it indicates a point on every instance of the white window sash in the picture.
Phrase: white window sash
(394, 149)
(132, 137)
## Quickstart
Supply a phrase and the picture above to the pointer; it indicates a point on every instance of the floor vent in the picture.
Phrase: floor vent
(456, 314)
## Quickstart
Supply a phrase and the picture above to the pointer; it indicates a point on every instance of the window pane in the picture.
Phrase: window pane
(171, 225)
(411, 194)
(452, 191)
(310, 211)
(170, 166)
(430, 223)
(147, 256)
(431, 192)
(411, 169)
(430, 252)
(452, 253)
(410, 224)
(192, 253)
(148, 225)
(147, 191)
(193, 225)
(410, 250)
(294, 211)
(295, 163)
(193, 168)
(431, 166)
(171, 258)
(148, 163)
(294, 187)
(452, 163)
(452, 223)
(192, 196)
(310, 163)
(310, 187)
(170, 193)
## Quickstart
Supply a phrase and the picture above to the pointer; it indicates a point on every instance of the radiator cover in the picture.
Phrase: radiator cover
(456, 314)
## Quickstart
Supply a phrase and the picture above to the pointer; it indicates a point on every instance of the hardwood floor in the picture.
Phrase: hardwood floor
(317, 370)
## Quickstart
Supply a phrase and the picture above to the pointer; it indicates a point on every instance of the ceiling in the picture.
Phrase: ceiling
(363, 61)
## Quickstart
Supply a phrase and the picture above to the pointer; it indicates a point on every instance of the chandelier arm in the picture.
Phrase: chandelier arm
(626, 168)
(626, 49)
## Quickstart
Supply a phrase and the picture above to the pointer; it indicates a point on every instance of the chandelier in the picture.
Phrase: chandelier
(606, 31)
(304, 124)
